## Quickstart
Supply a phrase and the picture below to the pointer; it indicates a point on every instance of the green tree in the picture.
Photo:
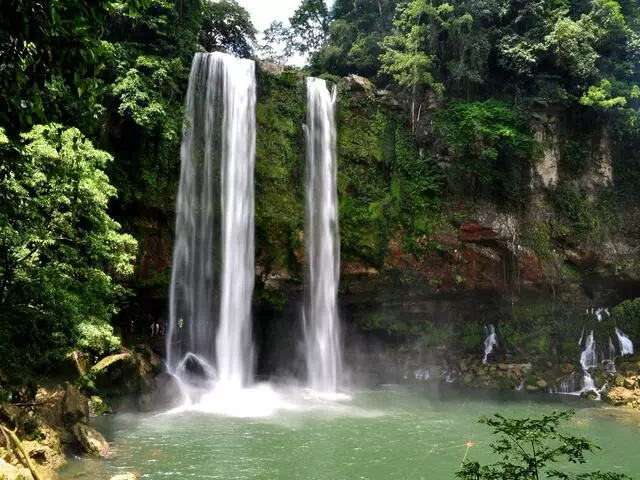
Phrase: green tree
(145, 77)
(410, 51)
(226, 27)
(528, 445)
(49, 50)
(60, 252)
(307, 31)
(489, 147)
(356, 32)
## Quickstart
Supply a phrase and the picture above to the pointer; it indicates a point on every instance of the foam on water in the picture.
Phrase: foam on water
(265, 400)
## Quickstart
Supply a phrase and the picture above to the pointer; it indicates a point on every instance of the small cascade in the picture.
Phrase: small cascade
(609, 361)
(322, 242)
(570, 385)
(589, 362)
(490, 341)
(626, 345)
(447, 373)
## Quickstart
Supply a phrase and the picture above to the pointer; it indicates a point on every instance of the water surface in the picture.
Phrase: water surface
(389, 433)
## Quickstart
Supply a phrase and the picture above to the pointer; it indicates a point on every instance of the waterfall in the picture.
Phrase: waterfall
(588, 361)
(322, 243)
(609, 361)
(626, 345)
(490, 341)
(213, 257)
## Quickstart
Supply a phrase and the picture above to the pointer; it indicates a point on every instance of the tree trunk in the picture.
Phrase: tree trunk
(21, 449)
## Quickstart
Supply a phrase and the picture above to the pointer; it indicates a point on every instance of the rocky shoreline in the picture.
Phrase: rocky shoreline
(55, 421)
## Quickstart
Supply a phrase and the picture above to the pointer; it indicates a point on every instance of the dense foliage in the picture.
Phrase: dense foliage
(59, 250)
(457, 99)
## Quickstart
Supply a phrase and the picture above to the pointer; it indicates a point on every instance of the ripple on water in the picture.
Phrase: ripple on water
(376, 435)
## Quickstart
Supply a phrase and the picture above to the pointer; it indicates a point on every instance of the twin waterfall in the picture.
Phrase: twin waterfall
(213, 260)
(322, 241)
(208, 343)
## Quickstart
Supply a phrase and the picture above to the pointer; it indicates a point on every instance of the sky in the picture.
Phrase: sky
(263, 12)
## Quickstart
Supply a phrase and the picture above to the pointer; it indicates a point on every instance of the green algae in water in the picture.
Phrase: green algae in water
(384, 434)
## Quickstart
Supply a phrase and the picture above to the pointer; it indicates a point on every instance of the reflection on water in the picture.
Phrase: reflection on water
(393, 432)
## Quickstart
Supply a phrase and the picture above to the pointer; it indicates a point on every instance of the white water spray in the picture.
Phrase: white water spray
(213, 260)
(490, 341)
(626, 345)
(321, 322)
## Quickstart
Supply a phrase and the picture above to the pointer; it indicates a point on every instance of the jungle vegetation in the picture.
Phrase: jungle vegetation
(92, 106)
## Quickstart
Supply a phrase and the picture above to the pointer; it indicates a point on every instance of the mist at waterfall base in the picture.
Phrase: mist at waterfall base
(209, 346)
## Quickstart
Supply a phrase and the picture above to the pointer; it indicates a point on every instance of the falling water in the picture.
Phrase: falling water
(588, 361)
(609, 360)
(626, 345)
(321, 323)
(213, 259)
(490, 341)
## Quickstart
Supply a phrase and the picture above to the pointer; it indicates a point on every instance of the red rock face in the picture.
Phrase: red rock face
(477, 258)
(473, 232)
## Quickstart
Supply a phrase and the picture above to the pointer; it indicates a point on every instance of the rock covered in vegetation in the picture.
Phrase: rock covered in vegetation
(626, 384)
(92, 441)
(52, 418)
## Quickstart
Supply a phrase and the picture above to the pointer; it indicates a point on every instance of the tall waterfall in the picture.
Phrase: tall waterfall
(213, 258)
(321, 322)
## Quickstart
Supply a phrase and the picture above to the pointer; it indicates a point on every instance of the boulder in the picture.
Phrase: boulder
(49, 403)
(75, 407)
(92, 442)
(629, 382)
(125, 476)
(542, 384)
(271, 67)
(356, 82)
(590, 395)
(46, 450)
(387, 97)
(163, 395)
(620, 396)
(13, 416)
(11, 472)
